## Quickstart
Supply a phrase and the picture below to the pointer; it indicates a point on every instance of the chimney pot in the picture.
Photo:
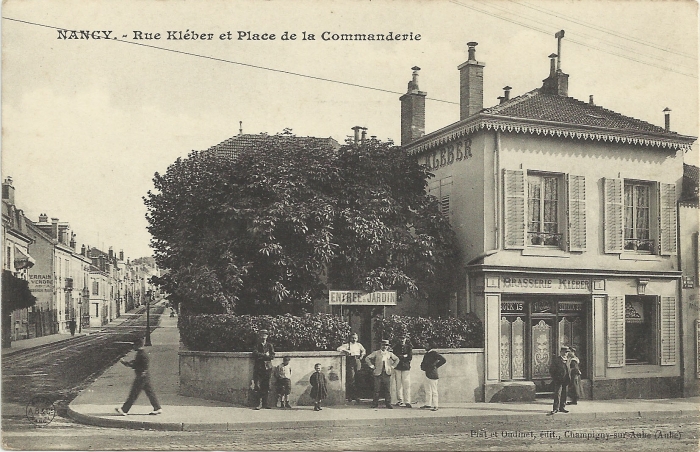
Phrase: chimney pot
(590, 100)
(506, 92)
(43, 218)
(667, 117)
(357, 133)
(472, 50)
(8, 191)
(364, 135)
(501, 99)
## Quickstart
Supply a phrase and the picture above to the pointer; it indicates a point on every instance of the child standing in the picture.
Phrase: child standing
(283, 373)
(319, 390)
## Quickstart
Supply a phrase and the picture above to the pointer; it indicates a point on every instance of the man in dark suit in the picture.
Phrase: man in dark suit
(561, 377)
(263, 353)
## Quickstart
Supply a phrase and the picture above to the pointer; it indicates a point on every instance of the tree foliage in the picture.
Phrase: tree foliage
(15, 293)
(289, 218)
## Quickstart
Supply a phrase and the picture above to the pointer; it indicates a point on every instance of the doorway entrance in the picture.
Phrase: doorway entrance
(533, 330)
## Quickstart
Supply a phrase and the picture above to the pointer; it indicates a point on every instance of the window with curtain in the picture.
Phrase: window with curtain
(637, 217)
(543, 210)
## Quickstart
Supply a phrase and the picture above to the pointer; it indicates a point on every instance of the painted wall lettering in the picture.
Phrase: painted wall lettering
(448, 154)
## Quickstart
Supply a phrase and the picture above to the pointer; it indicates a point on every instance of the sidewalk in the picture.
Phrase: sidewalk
(96, 404)
(35, 342)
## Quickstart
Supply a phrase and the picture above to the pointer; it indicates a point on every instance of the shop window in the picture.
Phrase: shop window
(640, 330)
(544, 210)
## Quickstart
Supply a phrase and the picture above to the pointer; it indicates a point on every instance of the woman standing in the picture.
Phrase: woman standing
(576, 389)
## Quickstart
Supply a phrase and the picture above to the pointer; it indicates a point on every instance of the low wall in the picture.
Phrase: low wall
(227, 376)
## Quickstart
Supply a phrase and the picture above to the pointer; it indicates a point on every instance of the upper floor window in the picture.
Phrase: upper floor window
(637, 217)
(95, 288)
(442, 189)
(630, 217)
(543, 210)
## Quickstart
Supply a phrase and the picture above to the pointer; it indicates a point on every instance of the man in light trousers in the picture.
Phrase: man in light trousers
(431, 361)
(402, 372)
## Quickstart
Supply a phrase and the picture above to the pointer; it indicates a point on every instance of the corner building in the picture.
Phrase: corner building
(566, 215)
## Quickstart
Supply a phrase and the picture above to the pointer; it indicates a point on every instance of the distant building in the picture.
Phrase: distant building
(231, 147)
(566, 218)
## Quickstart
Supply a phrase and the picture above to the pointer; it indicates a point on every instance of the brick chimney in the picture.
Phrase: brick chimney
(412, 111)
(110, 253)
(82, 250)
(667, 119)
(121, 255)
(558, 82)
(43, 218)
(8, 191)
(471, 85)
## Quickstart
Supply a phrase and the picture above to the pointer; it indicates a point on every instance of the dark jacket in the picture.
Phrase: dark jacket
(404, 361)
(140, 362)
(559, 371)
(263, 362)
(431, 361)
(319, 389)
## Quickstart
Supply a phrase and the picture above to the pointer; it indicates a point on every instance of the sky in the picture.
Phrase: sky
(87, 123)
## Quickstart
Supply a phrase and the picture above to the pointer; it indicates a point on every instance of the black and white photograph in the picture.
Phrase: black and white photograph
(330, 225)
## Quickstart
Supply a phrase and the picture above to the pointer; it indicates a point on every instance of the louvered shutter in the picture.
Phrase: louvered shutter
(613, 217)
(668, 331)
(667, 219)
(445, 195)
(577, 212)
(616, 331)
(514, 189)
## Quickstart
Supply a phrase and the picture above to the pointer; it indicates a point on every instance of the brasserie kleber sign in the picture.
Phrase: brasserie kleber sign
(362, 298)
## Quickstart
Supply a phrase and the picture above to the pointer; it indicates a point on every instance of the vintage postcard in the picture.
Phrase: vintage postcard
(350, 225)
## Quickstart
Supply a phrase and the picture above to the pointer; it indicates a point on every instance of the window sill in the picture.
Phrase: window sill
(627, 256)
(544, 251)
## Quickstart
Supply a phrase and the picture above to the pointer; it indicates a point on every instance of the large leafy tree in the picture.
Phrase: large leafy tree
(287, 219)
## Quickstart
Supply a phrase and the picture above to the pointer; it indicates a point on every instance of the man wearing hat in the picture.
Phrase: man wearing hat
(264, 353)
(382, 362)
(561, 377)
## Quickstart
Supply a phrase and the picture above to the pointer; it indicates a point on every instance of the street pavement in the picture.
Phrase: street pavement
(95, 405)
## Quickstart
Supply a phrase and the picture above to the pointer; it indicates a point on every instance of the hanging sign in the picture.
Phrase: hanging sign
(362, 298)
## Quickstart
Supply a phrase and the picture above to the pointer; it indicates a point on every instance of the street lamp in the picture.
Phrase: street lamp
(147, 342)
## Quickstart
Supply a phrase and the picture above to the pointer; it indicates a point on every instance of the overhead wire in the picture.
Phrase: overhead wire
(548, 32)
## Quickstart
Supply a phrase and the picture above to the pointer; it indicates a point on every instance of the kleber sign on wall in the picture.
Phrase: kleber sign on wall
(362, 298)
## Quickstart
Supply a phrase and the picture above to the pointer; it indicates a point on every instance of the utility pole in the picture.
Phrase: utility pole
(147, 342)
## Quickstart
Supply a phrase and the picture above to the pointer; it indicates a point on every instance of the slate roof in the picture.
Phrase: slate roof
(691, 183)
(538, 105)
(232, 146)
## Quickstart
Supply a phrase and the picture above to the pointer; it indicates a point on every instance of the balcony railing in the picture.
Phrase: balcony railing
(645, 245)
(544, 238)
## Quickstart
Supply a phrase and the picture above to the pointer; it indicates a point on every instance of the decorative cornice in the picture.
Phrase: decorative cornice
(546, 128)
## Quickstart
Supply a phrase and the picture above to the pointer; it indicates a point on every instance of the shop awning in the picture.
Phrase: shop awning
(23, 259)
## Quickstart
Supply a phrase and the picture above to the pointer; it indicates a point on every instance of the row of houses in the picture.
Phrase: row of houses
(84, 285)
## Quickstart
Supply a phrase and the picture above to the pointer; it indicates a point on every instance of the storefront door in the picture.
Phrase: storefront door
(532, 331)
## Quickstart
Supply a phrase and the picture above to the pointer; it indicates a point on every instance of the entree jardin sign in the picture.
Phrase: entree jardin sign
(362, 298)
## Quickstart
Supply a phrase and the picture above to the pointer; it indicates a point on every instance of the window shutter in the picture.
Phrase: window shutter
(613, 218)
(667, 219)
(445, 194)
(668, 331)
(577, 213)
(616, 331)
(514, 189)
(697, 348)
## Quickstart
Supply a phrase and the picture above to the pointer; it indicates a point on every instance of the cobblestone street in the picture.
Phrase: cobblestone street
(670, 434)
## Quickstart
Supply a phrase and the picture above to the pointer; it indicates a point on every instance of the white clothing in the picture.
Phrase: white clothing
(431, 392)
(402, 383)
(356, 349)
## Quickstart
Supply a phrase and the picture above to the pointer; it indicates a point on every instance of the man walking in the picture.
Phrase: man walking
(353, 363)
(561, 377)
(141, 382)
(430, 364)
(382, 361)
(264, 353)
(402, 372)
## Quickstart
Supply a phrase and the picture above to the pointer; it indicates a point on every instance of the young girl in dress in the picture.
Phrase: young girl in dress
(319, 390)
